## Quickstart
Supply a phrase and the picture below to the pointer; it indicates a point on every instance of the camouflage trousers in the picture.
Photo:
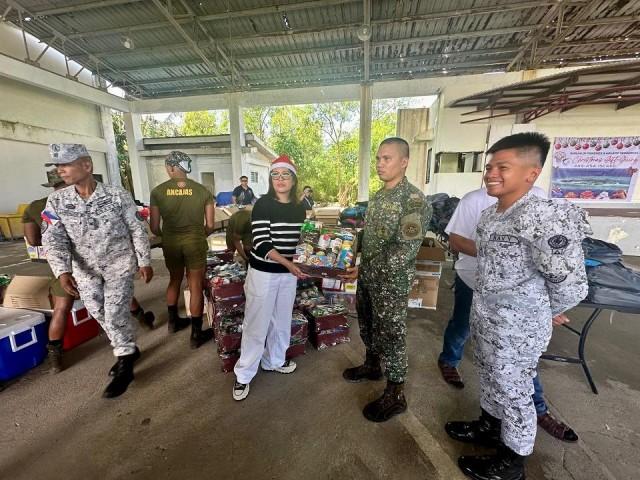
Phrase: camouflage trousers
(506, 389)
(382, 316)
(107, 297)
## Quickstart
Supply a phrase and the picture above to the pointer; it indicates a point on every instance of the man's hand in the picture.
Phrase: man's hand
(146, 273)
(351, 275)
(560, 320)
(69, 284)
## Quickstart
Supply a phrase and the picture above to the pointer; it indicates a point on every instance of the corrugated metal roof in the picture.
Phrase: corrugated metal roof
(273, 43)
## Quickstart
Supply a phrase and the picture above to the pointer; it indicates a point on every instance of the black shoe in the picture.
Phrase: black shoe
(54, 358)
(145, 319)
(505, 465)
(136, 356)
(176, 322)
(198, 336)
(485, 431)
(122, 378)
(391, 403)
(369, 371)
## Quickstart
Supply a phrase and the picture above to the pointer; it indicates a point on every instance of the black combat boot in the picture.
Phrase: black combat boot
(176, 322)
(114, 368)
(391, 403)
(54, 356)
(122, 378)
(485, 431)
(505, 465)
(145, 319)
(198, 336)
(369, 371)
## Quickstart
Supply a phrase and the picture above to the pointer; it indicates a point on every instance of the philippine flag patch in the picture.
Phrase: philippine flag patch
(49, 217)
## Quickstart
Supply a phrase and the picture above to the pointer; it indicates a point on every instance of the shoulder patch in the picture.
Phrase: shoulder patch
(558, 242)
(411, 227)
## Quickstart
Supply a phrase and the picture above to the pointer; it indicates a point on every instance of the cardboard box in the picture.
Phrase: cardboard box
(424, 292)
(28, 292)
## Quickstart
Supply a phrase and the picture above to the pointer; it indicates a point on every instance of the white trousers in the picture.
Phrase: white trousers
(266, 330)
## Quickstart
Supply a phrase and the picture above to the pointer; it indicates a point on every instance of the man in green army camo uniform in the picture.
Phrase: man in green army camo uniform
(396, 223)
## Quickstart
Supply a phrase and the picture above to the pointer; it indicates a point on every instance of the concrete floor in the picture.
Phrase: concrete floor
(178, 419)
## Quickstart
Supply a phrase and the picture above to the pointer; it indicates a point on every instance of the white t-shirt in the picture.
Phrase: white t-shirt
(464, 222)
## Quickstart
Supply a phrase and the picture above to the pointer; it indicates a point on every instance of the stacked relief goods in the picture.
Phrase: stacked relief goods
(226, 293)
(325, 251)
(328, 323)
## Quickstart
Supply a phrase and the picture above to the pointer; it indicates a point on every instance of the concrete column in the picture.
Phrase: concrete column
(236, 131)
(364, 153)
(139, 174)
(113, 166)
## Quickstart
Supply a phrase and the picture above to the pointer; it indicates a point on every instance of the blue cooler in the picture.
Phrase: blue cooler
(23, 341)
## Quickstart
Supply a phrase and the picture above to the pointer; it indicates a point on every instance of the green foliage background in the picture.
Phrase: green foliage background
(323, 140)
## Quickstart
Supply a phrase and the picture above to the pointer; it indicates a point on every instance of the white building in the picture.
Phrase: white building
(211, 165)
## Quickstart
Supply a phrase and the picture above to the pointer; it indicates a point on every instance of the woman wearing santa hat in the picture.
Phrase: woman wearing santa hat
(270, 287)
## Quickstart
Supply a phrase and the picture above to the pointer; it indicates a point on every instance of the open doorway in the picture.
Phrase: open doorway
(208, 180)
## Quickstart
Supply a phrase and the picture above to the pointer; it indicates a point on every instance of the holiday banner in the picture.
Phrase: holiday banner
(595, 168)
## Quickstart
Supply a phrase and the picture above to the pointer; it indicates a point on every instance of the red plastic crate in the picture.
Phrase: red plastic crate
(80, 327)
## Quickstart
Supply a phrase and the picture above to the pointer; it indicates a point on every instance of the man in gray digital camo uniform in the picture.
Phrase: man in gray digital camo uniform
(396, 223)
(95, 243)
(530, 271)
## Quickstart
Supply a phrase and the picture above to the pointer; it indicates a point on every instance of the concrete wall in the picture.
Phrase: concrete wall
(30, 119)
(219, 164)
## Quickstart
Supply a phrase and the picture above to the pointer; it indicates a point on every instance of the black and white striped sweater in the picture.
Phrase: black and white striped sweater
(274, 225)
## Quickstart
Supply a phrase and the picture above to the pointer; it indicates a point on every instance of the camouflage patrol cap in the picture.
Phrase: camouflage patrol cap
(180, 160)
(62, 153)
(53, 179)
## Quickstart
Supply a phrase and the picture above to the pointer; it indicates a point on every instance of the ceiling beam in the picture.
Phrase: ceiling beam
(536, 34)
(442, 15)
(194, 46)
(82, 7)
(423, 39)
(624, 85)
(626, 104)
(576, 21)
(59, 36)
(41, 78)
(407, 66)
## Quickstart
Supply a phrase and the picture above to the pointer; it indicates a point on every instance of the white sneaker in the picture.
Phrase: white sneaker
(288, 366)
(240, 390)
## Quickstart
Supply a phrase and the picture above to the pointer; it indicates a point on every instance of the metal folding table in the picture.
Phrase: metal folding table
(597, 310)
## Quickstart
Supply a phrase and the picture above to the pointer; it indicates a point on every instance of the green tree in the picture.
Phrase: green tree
(154, 128)
(122, 148)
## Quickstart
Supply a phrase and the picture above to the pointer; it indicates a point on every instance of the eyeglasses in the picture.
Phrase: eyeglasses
(281, 176)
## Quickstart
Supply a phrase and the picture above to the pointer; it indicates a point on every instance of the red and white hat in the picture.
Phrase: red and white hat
(283, 161)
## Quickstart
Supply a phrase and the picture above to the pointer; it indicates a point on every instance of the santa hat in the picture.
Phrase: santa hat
(283, 161)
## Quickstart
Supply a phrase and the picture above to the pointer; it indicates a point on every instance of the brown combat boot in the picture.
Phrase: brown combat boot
(391, 403)
(369, 371)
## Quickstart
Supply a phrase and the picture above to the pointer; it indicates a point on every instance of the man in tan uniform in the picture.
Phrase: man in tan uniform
(187, 212)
